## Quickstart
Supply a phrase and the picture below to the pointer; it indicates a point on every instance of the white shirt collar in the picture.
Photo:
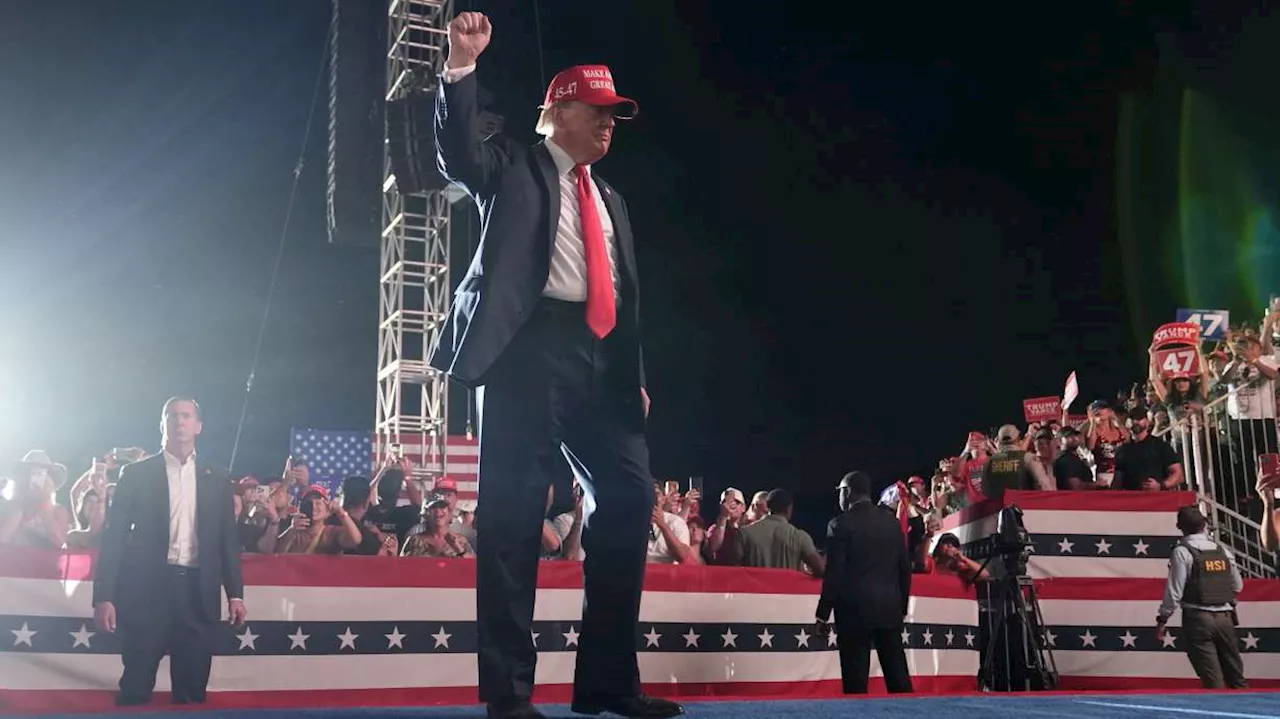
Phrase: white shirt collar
(169, 458)
(564, 163)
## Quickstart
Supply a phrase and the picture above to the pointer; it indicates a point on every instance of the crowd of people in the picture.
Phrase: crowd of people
(1136, 441)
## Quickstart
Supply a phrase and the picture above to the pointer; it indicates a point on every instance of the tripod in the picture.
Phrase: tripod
(1017, 656)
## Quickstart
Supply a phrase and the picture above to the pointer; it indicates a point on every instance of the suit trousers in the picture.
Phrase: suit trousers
(556, 389)
(1213, 649)
(854, 642)
(173, 622)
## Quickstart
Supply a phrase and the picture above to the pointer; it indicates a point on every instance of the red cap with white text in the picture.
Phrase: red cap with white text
(592, 84)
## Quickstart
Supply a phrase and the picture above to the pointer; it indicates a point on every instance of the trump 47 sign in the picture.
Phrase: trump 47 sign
(1213, 323)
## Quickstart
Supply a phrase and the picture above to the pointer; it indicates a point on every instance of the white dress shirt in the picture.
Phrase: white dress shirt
(567, 279)
(183, 549)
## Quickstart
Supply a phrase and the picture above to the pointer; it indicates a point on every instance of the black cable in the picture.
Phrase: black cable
(537, 27)
(284, 234)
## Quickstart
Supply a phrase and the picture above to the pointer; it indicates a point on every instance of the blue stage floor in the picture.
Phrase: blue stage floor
(1248, 705)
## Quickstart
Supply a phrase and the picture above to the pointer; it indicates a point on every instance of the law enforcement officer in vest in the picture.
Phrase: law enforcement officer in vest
(1204, 581)
(1008, 468)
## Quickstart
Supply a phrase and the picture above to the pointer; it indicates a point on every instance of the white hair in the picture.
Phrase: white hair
(546, 121)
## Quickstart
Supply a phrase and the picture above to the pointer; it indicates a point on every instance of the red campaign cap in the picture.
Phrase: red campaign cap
(445, 484)
(592, 84)
(319, 489)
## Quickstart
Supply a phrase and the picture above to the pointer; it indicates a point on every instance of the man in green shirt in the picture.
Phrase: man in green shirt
(774, 542)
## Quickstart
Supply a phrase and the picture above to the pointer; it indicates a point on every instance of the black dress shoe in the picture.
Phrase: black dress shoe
(633, 707)
(513, 709)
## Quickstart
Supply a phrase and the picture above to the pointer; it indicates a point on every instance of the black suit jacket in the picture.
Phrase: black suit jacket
(868, 577)
(135, 541)
(517, 190)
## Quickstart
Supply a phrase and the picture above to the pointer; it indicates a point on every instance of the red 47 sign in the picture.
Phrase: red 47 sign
(1178, 362)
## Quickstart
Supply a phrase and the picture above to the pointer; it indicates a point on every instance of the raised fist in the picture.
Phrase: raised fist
(469, 35)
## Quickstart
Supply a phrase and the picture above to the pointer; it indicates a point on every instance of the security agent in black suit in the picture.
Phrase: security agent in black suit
(868, 584)
(556, 362)
(169, 545)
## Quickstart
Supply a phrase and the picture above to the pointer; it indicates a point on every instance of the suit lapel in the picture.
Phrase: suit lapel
(206, 503)
(161, 493)
(621, 228)
(551, 180)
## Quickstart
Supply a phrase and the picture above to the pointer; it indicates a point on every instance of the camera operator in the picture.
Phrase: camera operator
(1204, 581)
(1010, 467)
(949, 559)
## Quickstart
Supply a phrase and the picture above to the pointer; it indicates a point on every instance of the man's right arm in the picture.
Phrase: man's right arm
(461, 156)
(115, 535)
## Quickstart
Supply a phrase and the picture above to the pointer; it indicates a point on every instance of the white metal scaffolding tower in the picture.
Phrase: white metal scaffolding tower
(415, 290)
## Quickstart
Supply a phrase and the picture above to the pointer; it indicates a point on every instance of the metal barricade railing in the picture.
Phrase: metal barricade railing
(1219, 456)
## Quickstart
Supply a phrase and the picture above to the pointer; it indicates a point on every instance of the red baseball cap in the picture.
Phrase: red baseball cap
(445, 484)
(319, 489)
(592, 84)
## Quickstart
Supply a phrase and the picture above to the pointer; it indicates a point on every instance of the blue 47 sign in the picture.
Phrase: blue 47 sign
(1213, 323)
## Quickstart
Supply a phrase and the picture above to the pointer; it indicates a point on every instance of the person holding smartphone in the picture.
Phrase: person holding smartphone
(1268, 487)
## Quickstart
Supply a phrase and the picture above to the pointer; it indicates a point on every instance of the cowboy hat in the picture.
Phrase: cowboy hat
(38, 458)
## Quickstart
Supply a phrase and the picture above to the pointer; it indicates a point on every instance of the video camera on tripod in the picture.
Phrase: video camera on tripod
(1016, 655)
(1011, 543)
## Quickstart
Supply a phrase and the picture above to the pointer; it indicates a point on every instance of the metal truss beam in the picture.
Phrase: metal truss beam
(414, 292)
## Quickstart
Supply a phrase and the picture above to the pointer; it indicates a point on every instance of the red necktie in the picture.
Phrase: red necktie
(602, 312)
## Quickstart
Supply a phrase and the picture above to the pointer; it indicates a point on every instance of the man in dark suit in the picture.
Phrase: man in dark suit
(868, 584)
(546, 327)
(169, 545)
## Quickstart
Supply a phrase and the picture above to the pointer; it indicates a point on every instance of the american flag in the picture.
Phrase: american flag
(1085, 534)
(334, 454)
(386, 629)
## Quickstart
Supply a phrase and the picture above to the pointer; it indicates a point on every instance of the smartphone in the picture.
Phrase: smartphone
(1269, 465)
(123, 455)
(99, 468)
(671, 487)
(695, 483)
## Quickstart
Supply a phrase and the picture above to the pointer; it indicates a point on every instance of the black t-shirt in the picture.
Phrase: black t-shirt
(394, 520)
(369, 543)
(1070, 465)
(1139, 461)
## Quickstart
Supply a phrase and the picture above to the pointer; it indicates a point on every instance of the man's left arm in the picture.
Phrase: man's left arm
(1266, 367)
(904, 569)
(1237, 581)
(232, 575)
(835, 570)
(1173, 474)
(625, 220)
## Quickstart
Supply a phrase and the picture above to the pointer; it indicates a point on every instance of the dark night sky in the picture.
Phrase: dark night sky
(859, 237)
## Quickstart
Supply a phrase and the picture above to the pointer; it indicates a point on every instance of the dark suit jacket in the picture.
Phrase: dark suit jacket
(868, 578)
(135, 541)
(518, 192)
